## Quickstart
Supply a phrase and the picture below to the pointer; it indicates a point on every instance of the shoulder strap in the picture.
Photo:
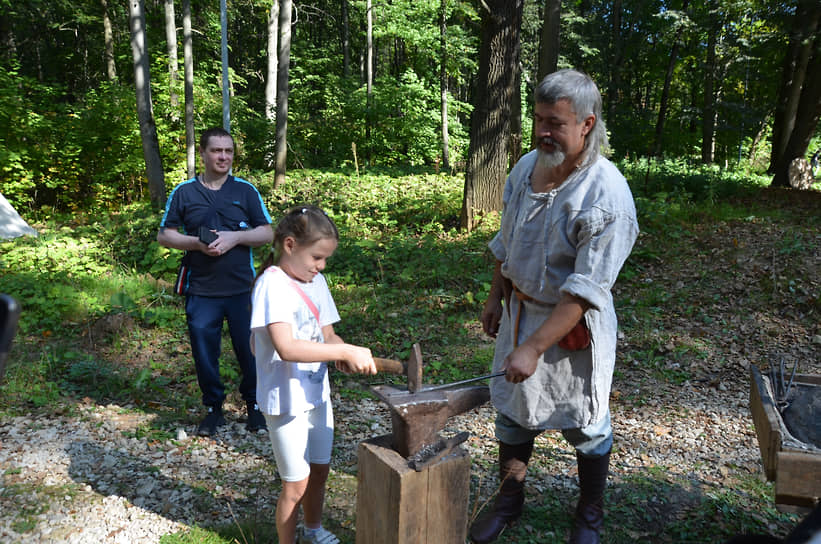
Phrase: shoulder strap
(306, 298)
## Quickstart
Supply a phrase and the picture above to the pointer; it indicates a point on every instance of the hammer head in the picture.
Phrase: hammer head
(418, 417)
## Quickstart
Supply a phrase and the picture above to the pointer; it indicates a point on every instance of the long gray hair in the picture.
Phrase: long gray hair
(585, 98)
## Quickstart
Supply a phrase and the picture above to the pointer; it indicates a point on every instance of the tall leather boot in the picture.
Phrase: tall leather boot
(507, 507)
(589, 516)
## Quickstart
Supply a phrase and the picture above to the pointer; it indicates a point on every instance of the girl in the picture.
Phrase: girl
(292, 321)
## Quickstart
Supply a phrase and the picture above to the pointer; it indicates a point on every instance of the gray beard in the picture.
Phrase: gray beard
(551, 160)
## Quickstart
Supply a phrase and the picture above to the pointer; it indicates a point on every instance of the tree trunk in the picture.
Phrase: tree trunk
(665, 93)
(368, 74)
(171, 40)
(443, 83)
(284, 64)
(108, 36)
(549, 42)
(515, 141)
(490, 122)
(708, 122)
(806, 118)
(346, 40)
(794, 70)
(273, 52)
(549, 39)
(226, 83)
(271, 76)
(616, 40)
(188, 69)
(760, 133)
(145, 113)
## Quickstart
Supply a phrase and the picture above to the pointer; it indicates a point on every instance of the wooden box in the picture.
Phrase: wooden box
(793, 465)
(397, 505)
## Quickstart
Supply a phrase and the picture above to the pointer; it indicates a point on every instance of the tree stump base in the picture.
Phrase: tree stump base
(397, 505)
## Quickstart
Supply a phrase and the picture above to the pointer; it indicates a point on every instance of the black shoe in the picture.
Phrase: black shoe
(256, 421)
(209, 425)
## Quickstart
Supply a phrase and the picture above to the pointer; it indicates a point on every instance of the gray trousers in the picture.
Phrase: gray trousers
(594, 440)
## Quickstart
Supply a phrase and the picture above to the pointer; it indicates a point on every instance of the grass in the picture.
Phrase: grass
(99, 320)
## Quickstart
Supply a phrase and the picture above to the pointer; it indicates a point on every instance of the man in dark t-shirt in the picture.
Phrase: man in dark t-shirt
(217, 219)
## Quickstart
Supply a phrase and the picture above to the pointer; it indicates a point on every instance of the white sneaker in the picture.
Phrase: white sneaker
(320, 536)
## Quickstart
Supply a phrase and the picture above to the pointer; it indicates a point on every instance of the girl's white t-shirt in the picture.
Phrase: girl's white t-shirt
(286, 387)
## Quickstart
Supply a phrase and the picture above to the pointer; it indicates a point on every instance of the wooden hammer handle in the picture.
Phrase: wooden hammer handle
(389, 365)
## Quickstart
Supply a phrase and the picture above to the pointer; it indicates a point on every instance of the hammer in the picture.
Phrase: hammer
(412, 369)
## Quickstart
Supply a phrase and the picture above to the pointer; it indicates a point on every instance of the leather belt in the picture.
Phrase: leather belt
(577, 339)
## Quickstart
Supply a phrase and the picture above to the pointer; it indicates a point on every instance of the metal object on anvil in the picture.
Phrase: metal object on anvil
(418, 417)
(451, 385)
(432, 453)
(412, 369)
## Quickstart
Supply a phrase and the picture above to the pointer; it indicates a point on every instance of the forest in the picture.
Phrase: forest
(386, 84)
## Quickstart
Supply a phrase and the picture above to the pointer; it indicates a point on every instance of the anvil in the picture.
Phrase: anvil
(418, 417)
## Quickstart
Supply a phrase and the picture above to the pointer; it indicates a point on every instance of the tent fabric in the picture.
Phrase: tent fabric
(11, 224)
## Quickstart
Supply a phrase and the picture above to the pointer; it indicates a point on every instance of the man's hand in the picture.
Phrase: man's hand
(225, 242)
(491, 316)
(521, 363)
(492, 312)
(229, 239)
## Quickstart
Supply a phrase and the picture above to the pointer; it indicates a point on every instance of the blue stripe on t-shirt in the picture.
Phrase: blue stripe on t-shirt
(170, 198)
(259, 196)
(265, 213)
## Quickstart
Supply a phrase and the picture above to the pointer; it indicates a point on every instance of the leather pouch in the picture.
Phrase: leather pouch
(578, 338)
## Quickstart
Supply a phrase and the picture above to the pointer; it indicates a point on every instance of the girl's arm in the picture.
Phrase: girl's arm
(356, 358)
(332, 338)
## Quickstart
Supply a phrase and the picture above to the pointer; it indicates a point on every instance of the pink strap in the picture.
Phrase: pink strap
(306, 298)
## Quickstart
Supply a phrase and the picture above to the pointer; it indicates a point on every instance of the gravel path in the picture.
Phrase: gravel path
(84, 474)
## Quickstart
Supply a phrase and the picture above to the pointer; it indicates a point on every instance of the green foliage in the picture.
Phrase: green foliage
(684, 181)
(405, 119)
(197, 535)
(69, 139)
(54, 153)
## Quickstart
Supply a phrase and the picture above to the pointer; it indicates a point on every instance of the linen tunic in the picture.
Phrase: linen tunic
(573, 239)
(286, 387)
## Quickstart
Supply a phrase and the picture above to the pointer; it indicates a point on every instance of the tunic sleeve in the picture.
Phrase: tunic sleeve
(605, 242)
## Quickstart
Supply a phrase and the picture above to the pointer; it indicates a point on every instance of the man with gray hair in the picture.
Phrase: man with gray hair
(568, 225)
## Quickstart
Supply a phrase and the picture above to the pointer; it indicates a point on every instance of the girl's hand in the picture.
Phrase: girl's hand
(358, 360)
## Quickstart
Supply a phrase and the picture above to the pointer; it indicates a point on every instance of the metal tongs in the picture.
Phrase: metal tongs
(781, 392)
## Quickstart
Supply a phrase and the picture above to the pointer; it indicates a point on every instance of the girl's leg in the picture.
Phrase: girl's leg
(288, 509)
(320, 444)
(289, 441)
(314, 497)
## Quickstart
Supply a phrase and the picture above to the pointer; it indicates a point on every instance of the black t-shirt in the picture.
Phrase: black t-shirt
(237, 205)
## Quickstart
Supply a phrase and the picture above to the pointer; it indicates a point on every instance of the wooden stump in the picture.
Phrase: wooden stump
(397, 505)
